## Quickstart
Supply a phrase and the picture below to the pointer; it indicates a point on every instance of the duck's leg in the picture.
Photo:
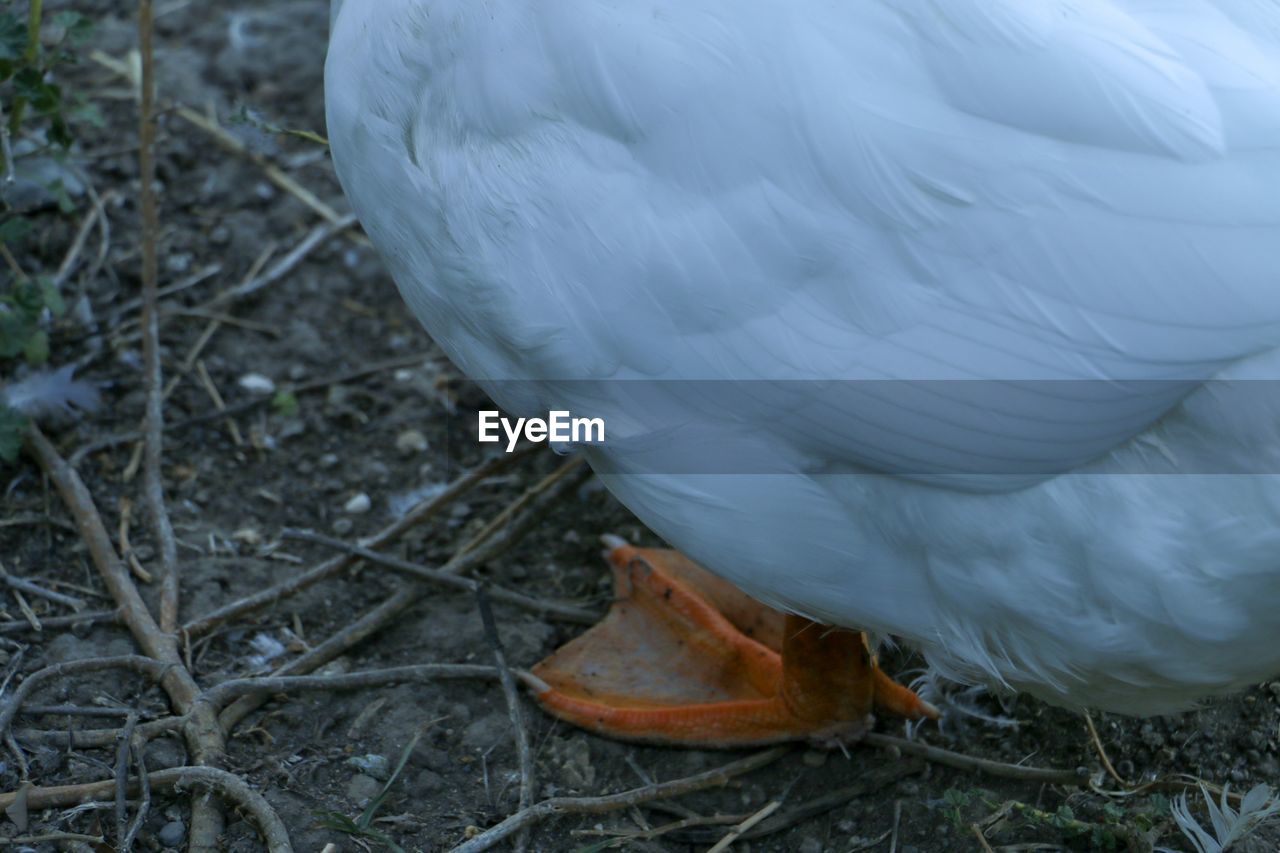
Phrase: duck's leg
(684, 658)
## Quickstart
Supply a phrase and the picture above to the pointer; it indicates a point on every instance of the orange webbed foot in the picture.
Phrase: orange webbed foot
(685, 658)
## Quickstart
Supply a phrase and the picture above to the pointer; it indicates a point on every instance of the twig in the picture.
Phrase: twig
(144, 805)
(97, 738)
(198, 277)
(868, 782)
(982, 839)
(75, 711)
(738, 831)
(52, 837)
(12, 666)
(231, 787)
(897, 821)
(153, 423)
(519, 733)
(613, 802)
(552, 609)
(72, 256)
(252, 404)
(35, 520)
(937, 755)
(25, 609)
(17, 626)
(27, 586)
(126, 548)
(201, 730)
(535, 502)
(153, 669)
(1102, 753)
(265, 685)
(122, 780)
(273, 172)
(319, 235)
(422, 512)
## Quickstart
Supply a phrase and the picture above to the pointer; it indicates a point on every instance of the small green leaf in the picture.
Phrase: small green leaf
(13, 426)
(36, 349)
(285, 403)
(14, 229)
(52, 298)
(76, 27)
(13, 37)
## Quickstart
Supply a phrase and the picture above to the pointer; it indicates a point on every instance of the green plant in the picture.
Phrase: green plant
(32, 103)
(30, 52)
(362, 826)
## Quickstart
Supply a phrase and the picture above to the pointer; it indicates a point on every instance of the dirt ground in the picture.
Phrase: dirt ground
(344, 455)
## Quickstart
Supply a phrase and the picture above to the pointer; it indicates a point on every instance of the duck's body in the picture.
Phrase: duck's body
(1081, 195)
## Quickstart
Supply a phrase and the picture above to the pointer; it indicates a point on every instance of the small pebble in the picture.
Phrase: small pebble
(373, 765)
(343, 526)
(256, 383)
(363, 788)
(411, 441)
(329, 460)
(360, 503)
(250, 536)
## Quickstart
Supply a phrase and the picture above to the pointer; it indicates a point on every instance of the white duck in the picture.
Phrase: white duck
(1040, 239)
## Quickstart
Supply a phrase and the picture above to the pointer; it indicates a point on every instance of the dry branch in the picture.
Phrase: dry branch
(422, 512)
(153, 423)
(232, 788)
(153, 669)
(550, 609)
(533, 504)
(235, 688)
(613, 802)
(937, 755)
(519, 733)
(201, 731)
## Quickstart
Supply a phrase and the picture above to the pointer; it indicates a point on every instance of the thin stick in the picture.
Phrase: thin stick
(937, 755)
(144, 806)
(25, 609)
(17, 626)
(982, 839)
(613, 802)
(153, 424)
(252, 404)
(97, 738)
(868, 782)
(75, 711)
(153, 669)
(14, 582)
(273, 172)
(738, 831)
(469, 556)
(122, 780)
(1102, 753)
(423, 511)
(202, 733)
(552, 609)
(519, 733)
(231, 787)
(236, 687)
(319, 236)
